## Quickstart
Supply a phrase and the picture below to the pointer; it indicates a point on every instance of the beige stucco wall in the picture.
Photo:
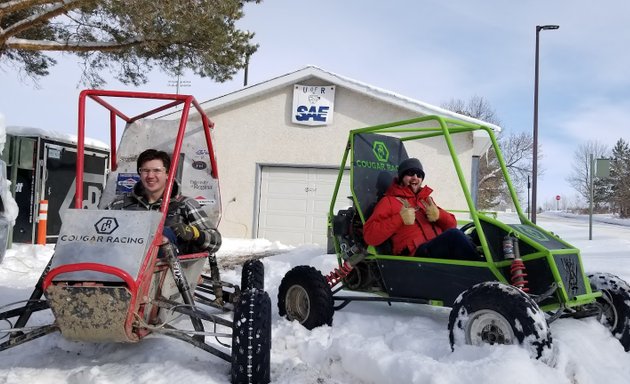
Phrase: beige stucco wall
(259, 131)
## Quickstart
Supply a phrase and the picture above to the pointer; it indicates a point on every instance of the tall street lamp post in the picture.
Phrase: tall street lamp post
(535, 151)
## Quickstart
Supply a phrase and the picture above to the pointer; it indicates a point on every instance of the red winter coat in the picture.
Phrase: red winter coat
(386, 222)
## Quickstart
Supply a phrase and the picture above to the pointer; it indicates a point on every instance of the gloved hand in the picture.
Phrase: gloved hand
(186, 232)
(408, 215)
(433, 213)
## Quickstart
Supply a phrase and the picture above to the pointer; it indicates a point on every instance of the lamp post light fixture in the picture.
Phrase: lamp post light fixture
(535, 149)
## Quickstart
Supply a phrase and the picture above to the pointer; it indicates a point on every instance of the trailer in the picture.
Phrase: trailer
(41, 166)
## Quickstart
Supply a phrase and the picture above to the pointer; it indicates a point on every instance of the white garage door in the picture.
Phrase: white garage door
(294, 204)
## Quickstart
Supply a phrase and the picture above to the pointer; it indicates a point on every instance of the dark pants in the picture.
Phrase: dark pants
(450, 244)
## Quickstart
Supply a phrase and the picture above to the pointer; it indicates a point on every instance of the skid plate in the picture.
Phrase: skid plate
(94, 314)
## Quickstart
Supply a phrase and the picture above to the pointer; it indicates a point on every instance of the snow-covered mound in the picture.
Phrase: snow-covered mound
(368, 342)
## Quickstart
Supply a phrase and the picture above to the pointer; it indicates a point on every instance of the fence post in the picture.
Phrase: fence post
(42, 222)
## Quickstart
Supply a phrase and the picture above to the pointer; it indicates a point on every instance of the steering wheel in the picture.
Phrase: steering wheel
(466, 227)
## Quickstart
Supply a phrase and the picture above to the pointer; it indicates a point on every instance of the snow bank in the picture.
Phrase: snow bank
(369, 343)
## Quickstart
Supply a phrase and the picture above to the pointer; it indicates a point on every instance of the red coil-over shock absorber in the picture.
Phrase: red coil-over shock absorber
(337, 274)
(517, 269)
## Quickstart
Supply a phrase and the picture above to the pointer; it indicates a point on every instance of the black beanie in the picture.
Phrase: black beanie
(409, 164)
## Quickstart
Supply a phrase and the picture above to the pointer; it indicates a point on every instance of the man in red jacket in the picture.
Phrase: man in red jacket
(408, 215)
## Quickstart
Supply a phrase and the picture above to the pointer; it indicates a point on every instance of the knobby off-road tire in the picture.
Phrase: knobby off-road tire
(305, 296)
(251, 338)
(253, 275)
(496, 313)
(615, 301)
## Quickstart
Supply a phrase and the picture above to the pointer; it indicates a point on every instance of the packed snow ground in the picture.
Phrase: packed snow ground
(368, 342)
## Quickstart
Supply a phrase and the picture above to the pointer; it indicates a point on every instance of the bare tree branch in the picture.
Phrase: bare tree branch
(579, 178)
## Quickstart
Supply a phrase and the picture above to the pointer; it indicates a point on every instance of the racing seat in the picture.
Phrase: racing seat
(194, 172)
(375, 160)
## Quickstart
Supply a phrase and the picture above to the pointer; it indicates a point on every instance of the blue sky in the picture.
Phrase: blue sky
(431, 51)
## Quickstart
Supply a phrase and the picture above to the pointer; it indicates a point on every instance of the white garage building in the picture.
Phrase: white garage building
(279, 145)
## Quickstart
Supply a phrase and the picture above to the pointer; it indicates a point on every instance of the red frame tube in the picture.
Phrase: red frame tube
(96, 267)
(141, 284)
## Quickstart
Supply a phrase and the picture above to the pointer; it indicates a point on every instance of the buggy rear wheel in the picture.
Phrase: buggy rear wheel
(496, 313)
(304, 295)
(615, 302)
(253, 275)
(251, 338)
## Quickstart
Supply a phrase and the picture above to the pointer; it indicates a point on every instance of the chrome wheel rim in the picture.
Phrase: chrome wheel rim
(298, 304)
(489, 327)
(610, 316)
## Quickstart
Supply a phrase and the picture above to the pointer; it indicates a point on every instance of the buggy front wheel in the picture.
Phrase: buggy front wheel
(615, 302)
(253, 275)
(251, 338)
(496, 313)
(304, 295)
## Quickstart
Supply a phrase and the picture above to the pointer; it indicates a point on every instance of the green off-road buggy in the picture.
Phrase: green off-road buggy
(522, 279)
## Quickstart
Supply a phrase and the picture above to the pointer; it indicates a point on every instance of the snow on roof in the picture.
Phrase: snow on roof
(54, 135)
(311, 71)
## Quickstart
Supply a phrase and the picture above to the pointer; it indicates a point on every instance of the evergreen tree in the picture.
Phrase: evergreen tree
(126, 37)
(620, 177)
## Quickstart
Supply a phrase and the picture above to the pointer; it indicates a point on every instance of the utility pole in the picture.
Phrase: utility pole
(248, 53)
(590, 204)
(178, 83)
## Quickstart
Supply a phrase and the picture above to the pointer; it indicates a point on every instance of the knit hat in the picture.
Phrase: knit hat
(410, 164)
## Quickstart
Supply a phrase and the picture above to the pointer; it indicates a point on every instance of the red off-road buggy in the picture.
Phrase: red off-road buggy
(105, 282)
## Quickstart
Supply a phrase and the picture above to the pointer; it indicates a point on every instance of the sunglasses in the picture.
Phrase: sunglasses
(411, 172)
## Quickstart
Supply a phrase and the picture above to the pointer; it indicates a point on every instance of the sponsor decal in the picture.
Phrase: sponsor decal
(313, 104)
(534, 233)
(199, 165)
(380, 151)
(306, 113)
(102, 239)
(106, 225)
(125, 182)
(201, 185)
(202, 152)
(571, 268)
(127, 159)
(203, 201)
(375, 165)
(105, 228)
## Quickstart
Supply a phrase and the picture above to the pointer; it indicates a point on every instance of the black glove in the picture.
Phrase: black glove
(186, 232)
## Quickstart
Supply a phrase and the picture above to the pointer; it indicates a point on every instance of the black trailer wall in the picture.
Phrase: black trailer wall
(43, 168)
